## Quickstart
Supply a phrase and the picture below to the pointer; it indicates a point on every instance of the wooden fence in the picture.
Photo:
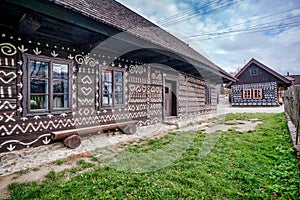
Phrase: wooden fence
(292, 107)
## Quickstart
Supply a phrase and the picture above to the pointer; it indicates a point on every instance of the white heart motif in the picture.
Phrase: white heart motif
(86, 90)
(10, 75)
(86, 80)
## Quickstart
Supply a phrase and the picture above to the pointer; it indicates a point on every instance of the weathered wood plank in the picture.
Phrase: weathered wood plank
(292, 107)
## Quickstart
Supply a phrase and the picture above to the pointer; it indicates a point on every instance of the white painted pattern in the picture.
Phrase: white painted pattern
(7, 105)
(11, 75)
(24, 143)
(50, 125)
(8, 49)
(86, 90)
(86, 80)
(9, 117)
(86, 101)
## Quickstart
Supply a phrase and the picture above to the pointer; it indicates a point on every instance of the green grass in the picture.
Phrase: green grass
(257, 164)
(60, 161)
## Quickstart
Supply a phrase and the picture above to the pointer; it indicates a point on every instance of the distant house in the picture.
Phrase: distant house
(295, 79)
(258, 85)
(81, 66)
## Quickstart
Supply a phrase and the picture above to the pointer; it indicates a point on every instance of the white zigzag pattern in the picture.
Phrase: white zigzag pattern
(8, 104)
(86, 120)
(86, 101)
(107, 118)
(41, 125)
(22, 143)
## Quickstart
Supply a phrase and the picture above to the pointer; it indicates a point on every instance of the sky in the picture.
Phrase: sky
(231, 32)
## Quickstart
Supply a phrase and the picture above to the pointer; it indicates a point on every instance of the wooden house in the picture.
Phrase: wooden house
(258, 85)
(81, 66)
(295, 79)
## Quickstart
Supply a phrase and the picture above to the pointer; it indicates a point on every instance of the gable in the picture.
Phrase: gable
(256, 72)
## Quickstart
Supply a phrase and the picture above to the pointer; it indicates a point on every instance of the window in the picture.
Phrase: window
(48, 83)
(112, 88)
(257, 93)
(253, 72)
(207, 95)
(247, 94)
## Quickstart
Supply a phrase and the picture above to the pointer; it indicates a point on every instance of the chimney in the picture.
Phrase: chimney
(288, 73)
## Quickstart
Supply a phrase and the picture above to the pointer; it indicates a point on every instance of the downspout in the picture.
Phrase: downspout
(163, 97)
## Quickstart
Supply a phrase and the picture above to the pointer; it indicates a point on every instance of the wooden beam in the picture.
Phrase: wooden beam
(28, 24)
(58, 135)
(50, 9)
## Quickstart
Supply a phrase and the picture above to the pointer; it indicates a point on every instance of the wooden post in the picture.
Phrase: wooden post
(297, 112)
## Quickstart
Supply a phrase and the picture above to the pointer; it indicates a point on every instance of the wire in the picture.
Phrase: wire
(188, 11)
(263, 17)
(187, 17)
(260, 29)
(244, 29)
(175, 20)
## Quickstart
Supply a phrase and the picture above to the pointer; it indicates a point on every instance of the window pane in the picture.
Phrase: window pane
(38, 69)
(60, 86)
(60, 71)
(118, 77)
(119, 88)
(38, 86)
(107, 88)
(39, 102)
(118, 98)
(107, 100)
(107, 76)
(61, 101)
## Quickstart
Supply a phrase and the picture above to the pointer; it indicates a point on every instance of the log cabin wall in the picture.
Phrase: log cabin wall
(19, 128)
(269, 94)
(192, 95)
(258, 85)
(51, 40)
(142, 93)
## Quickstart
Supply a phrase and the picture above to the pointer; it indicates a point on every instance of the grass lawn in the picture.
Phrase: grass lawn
(257, 164)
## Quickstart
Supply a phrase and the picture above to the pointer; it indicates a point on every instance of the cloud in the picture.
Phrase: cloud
(278, 49)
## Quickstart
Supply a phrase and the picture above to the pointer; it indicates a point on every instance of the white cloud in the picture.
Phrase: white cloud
(278, 50)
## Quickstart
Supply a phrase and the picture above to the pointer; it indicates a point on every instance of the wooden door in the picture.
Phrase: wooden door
(168, 99)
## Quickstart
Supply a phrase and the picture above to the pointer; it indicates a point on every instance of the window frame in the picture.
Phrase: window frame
(207, 95)
(247, 94)
(100, 92)
(26, 80)
(252, 72)
(255, 95)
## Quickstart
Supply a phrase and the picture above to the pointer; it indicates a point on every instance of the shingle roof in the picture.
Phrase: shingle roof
(296, 79)
(116, 15)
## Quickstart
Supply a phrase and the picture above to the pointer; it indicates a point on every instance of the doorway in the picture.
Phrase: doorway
(170, 98)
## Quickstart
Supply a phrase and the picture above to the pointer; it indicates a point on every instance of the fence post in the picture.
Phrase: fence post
(292, 108)
(297, 112)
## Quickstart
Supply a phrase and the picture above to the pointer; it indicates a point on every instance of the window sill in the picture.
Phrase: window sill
(45, 113)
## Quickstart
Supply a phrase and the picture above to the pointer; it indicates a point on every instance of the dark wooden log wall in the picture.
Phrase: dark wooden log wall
(269, 92)
(262, 76)
(143, 94)
(192, 96)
